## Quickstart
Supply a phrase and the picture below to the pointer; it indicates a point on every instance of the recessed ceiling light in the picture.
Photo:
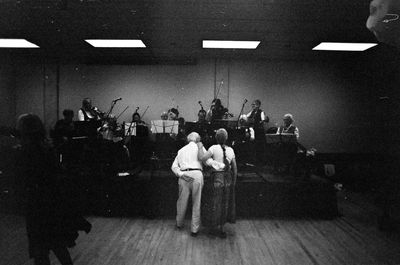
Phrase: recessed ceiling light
(116, 43)
(229, 44)
(16, 43)
(343, 46)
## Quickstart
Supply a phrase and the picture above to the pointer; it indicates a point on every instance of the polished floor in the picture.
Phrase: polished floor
(350, 239)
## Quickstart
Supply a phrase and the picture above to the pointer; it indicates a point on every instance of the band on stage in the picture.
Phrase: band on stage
(122, 144)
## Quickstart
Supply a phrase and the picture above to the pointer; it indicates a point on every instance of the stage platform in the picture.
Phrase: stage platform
(259, 193)
(153, 193)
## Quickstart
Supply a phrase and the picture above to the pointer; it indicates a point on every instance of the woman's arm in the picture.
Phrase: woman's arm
(202, 154)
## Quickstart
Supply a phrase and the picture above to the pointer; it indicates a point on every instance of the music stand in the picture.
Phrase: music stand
(165, 126)
(280, 138)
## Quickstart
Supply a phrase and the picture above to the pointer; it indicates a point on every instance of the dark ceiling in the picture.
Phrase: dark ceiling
(173, 29)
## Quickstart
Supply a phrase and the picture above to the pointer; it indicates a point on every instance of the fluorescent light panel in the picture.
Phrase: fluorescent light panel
(102, 43)
(16, 43)
(229, 44)
(343, 46)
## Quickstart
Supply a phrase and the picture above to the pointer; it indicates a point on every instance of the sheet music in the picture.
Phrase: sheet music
(165, 126)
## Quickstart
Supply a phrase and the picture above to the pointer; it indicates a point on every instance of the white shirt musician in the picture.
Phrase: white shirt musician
(87, 112)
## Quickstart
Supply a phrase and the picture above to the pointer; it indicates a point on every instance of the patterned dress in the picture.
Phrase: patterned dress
(218, 200)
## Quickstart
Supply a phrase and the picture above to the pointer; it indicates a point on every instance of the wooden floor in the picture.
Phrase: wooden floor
(351, 239)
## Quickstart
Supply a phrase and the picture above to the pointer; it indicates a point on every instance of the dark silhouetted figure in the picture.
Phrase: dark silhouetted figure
(51, 222)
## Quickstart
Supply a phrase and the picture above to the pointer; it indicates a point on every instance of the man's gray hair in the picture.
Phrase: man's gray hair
(288, 116)
(193, 137)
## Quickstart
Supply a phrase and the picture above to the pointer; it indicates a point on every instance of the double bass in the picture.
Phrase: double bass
(201, 115)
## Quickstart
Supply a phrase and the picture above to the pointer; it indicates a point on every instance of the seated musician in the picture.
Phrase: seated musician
(137, 119)
(137, 142)
(173, 114)
(64, 128)
(110, 130)
(164, 116)
(203, 128)
(87, 112)
(286, 152)
(63, 132)
(201, 116)
(216, 111)
(288, 126)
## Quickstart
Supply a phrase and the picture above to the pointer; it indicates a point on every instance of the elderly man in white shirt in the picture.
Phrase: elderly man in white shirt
(188, 168)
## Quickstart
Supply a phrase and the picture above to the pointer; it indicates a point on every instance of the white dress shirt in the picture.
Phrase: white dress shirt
(187, 159)
(81, 115)
(262, 115)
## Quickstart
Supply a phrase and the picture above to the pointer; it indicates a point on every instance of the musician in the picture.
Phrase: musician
(87, 112)
(245, 147)
(137, 142)
(216, 111)
(109, 128)
(64, 128)
(173, 114)
(136, 118)
(164, 116)
(249, 131)
(201, 116)
(286, 152)
(288, 126)
(256, 117)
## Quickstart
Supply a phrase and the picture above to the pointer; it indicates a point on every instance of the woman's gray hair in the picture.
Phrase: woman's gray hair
(193, 137)
(221, 136)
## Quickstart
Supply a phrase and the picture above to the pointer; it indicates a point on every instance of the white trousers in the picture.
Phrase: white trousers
(185, 189)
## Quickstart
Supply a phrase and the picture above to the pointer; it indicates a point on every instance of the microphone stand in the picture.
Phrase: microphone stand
(105, 120)
(240, 114)
(130, 125)
(111, 108)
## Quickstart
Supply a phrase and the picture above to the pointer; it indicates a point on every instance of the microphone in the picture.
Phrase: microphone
(199, 102)
(117, 99)
(245, 100)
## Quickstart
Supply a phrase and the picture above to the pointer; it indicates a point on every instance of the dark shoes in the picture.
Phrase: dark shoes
(219, 233)
(193, 234)
(222, 234)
